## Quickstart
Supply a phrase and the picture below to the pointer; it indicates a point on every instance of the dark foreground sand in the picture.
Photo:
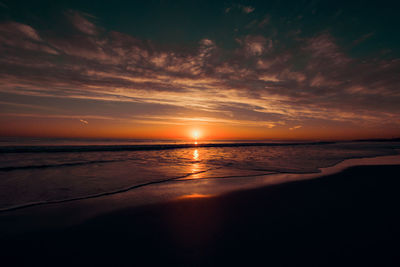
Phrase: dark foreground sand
(351, 218)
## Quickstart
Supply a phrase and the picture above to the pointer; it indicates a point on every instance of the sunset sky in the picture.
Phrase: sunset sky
(227, 69)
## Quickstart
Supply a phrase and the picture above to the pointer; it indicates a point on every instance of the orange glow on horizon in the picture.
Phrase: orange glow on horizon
(73, 128)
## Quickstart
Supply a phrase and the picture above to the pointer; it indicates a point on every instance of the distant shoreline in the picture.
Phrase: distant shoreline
(148, 145)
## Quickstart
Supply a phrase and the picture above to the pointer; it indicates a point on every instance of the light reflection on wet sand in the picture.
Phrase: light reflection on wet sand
(195, 195)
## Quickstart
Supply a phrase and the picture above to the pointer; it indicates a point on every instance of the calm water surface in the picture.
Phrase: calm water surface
(33, 171)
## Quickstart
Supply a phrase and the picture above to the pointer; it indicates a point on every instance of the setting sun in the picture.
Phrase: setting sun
(196, 134)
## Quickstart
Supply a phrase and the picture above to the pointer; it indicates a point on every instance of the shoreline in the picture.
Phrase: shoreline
(347, 218)
(51, 215)
(290, 176)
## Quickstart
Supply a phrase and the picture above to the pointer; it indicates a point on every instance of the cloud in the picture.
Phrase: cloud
(17, 30)
(264, 21)
(248, 9)
(81, 22)
(269, 78)
(324, 48)
(15, 36)
(256, 45)
(26, 30)
(242, 8)
(207, 42)
(255, 84)
(363, 38)
(295, 127)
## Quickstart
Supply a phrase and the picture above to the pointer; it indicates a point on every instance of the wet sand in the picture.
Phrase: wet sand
(350, 218)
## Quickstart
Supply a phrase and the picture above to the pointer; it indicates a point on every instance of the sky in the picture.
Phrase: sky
(226, 69)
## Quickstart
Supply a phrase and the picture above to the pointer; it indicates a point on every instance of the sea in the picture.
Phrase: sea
(36, 171)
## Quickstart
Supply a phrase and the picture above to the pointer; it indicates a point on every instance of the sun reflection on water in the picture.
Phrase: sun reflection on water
(196, 155)
(195, 166)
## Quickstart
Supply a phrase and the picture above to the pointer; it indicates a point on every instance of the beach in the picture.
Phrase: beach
(349, 218)
(199, 133)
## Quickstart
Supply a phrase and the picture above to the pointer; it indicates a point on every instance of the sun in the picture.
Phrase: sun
(196, 134)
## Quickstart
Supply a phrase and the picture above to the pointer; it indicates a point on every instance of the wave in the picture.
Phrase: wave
(116, 148)
(183, 178)
(102, 194)
(12, 168)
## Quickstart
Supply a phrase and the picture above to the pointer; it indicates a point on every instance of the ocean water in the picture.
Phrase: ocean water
(36, 171)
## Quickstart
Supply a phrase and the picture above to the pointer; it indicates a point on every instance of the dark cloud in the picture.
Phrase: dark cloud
(243, 8)
(81, 21)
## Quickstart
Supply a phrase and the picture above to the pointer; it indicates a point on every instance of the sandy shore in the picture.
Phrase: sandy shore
(348, 218)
